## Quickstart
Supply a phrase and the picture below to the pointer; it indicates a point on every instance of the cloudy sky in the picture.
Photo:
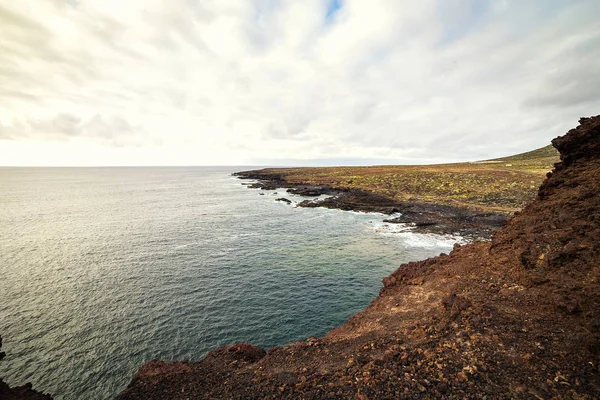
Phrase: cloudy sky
(239, 82)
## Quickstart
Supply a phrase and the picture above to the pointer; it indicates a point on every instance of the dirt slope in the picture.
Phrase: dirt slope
(518, 317)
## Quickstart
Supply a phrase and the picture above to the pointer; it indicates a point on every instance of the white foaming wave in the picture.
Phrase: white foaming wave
(386, 228)
(430, 240)
(296, 198)
(405, 233)
(299, 196)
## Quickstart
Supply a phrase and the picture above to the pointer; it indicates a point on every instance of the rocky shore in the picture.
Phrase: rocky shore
(424, 217)
(516, 317)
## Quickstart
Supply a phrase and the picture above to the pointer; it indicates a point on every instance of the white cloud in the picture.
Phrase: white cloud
(240, 81)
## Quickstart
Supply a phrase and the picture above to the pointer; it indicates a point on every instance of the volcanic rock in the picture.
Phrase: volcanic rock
(310, 191)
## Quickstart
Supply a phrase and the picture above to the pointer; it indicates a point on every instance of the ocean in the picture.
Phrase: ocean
(103, 269)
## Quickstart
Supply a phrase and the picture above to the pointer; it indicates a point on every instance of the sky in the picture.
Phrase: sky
(303, 82)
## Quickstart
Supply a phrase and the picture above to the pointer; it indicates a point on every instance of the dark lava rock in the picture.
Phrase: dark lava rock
(356, 200)
(265, 181)
(266, 185)
(310, 191)
(444, 219)
(283, 199)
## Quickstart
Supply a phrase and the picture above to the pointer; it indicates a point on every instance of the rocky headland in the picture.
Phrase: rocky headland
(514, 317)
(424, 217)
(472, 200)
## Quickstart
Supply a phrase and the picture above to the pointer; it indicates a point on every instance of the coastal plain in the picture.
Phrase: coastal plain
(503, 184)
(469, 199)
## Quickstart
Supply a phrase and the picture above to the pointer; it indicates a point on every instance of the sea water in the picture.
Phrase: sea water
(103, 269)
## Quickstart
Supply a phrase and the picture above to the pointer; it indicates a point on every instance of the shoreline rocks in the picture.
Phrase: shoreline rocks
(310, 191)
(423, 217)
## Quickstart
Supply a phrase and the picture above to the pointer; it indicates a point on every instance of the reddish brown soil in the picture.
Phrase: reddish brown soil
(518, 317)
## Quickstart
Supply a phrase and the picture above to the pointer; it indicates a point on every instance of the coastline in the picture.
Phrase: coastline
(423, 217)
(516, 317)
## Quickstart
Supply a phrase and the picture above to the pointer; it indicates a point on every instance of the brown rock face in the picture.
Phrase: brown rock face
(518, 317)
(556, 239)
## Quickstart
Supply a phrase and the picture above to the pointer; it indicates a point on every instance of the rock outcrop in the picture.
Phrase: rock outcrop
(517, 317)
(310, 190)
(356, 200)
(443, 219)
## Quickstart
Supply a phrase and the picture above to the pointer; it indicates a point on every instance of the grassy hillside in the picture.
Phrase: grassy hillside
(503, 184)
(540, 159)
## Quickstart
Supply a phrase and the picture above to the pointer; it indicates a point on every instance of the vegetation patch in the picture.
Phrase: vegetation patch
(503, 184)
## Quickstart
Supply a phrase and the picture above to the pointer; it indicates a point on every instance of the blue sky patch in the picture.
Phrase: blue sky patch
(334, 6)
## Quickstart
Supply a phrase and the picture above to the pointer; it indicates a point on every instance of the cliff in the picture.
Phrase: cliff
(516, 317)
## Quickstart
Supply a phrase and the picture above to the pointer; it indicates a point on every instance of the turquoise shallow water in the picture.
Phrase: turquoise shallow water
(105, 268)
